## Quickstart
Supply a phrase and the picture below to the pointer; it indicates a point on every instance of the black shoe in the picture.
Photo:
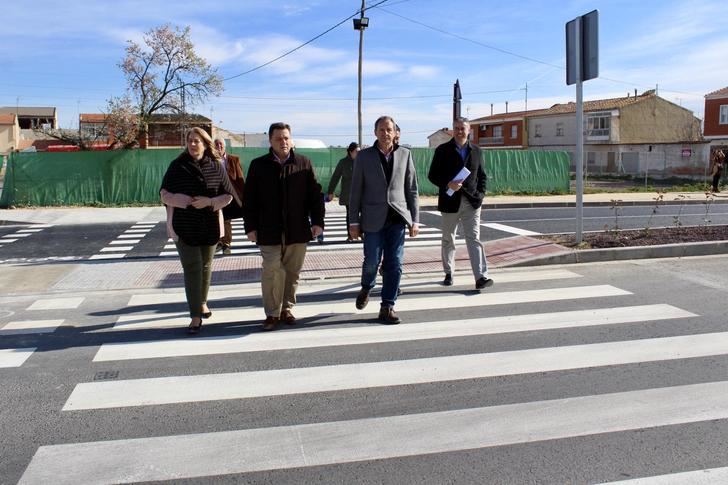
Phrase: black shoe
(387, 315)
(194, 329)
(448, 280)
(226, 250)
(362, 299)
(270, 323)
(483, 282)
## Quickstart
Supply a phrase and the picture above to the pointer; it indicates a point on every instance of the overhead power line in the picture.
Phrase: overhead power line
(527, 58)
(422, 96)
(467, 39)
(358, 12)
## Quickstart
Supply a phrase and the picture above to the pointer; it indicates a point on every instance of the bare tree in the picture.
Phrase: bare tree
(70, 136)
(166, 75)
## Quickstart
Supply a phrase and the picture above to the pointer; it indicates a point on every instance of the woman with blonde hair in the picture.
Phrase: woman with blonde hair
(195, 188)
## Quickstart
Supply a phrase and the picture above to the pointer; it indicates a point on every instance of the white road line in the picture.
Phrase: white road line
(117, 248)
(19, 234)
(14, 357)
(328, 443)
(280, 382)
(30, 230)
(406, 303)
(126, 241)
(137, 231)
(5, 239)
(30, 326)
(359, 335)
(510, 229)
(56, 303)
(708, 476)
(128, 236)
(307, 288)
(107, 256)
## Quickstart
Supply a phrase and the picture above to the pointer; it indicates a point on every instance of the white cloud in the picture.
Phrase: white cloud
(424, 72)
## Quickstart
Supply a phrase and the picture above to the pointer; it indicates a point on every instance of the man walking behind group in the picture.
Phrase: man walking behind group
(283, 210)
(231, 164)
(383, 203)
(461, 194)
(344, 171)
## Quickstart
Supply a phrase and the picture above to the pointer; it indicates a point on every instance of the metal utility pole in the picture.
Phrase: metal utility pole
(582, 64)
(360, 24)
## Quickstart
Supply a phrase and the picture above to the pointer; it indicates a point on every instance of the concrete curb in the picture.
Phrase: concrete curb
(575, 256)
(533, 205)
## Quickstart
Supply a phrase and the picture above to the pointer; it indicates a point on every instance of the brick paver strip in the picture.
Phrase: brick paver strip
(347, 262)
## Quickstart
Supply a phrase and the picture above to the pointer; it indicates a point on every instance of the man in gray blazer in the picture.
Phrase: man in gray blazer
(383, 203)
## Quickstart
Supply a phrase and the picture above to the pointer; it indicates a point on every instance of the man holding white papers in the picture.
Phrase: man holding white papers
(457, 170)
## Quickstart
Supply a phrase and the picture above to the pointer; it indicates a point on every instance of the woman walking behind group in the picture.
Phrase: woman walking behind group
(195, 188)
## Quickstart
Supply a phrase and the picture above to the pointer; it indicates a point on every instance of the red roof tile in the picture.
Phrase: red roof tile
(514, 114)
(7, 119)
(720, 92)
(92, 117)
(599, 104)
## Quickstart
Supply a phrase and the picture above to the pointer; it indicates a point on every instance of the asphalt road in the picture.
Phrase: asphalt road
(501, 387)
(33, 242)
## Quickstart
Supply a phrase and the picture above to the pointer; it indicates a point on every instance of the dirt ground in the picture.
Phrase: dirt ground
(640, 237)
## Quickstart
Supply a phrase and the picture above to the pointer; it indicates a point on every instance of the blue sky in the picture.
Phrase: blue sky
(65, 54)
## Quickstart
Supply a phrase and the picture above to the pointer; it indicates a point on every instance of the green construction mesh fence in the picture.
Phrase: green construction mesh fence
(133, 176)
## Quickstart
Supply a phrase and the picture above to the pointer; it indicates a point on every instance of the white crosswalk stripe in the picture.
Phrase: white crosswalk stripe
(710, 476)
(20, 234)
(615, 329)
(307, 310)
(239, 451)
(125, 242)
(15, 357)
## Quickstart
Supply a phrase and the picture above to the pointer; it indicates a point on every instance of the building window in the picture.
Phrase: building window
(724, 114)
(514, 132)
(559, 129)
(537, 130)
(597, 124)
(497, 131)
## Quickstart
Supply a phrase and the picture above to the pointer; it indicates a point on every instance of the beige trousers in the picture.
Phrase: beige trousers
(227, 237)
(281, 269)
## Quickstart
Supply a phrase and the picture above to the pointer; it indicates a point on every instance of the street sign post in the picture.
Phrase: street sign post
(582, 64)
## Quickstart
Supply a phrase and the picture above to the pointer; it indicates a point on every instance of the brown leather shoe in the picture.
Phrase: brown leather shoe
(362, 299)
(270, 323)
(387, 315)
(287, 317)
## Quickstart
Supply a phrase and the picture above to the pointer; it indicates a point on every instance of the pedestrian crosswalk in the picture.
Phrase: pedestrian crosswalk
(126, 241)
(534, 325)
(26, 230)
(335, 236)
